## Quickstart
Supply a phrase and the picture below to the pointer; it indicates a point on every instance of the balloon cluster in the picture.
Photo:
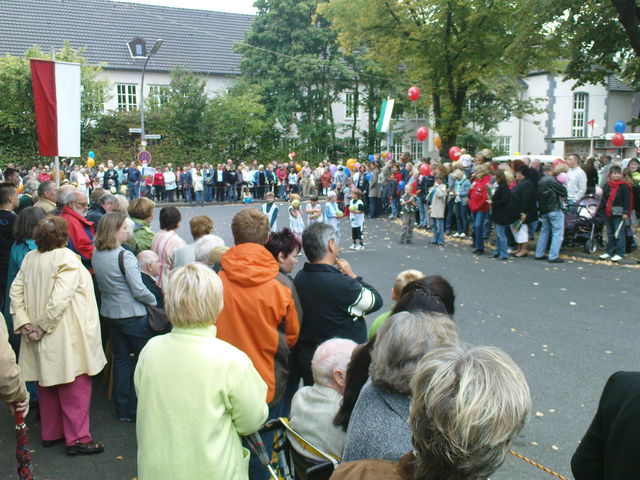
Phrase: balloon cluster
(91, 160)
(618, 137)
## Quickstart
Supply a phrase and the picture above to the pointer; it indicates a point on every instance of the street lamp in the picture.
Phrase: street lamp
(138, 49)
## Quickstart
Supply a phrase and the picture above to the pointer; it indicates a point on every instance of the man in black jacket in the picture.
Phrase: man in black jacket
(550, 195)
(335, 298)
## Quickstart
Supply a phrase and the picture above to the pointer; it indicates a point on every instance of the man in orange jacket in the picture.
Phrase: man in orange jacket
(259, 315)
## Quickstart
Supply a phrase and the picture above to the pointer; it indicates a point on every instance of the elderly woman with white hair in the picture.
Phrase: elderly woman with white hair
(378, 425)
(461, 443)
(190, 420)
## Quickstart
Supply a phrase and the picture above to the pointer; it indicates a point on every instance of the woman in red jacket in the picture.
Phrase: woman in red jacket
(158, 184)
(479, 204)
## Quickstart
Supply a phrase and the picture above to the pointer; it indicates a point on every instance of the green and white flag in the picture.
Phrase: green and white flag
(386, 109)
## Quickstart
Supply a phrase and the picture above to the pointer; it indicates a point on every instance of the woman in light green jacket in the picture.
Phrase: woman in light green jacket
(196, 394)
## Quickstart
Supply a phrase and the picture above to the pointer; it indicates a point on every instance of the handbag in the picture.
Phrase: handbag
(156, 316)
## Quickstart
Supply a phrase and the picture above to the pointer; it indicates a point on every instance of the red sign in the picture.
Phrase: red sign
(144, 157)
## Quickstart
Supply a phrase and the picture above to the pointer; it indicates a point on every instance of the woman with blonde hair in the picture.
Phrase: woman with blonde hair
(190, 420)
(124, 297)
(54, 308)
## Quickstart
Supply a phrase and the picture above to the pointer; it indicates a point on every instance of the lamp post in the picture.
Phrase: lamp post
(138, 49)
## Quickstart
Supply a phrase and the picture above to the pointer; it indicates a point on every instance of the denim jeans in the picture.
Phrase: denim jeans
(209, 193)
(479, 219)
(438, 230)
(187, 193)
(374, 203)
(199, 198)
(129, 336)
(615, 246)
(451, 212)
(422, 210)
(552, 224)
(501, 241)
(257, 471)
(134, 190)
(462, 217)
(533, 226)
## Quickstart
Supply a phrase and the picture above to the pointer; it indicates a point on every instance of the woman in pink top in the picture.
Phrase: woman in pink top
(167, 242)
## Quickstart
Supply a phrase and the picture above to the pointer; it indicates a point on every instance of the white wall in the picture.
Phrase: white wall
(214, 84)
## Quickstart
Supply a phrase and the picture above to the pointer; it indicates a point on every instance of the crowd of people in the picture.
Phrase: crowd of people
(216, 340)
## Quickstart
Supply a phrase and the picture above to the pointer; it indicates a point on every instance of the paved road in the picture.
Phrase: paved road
(568, 326)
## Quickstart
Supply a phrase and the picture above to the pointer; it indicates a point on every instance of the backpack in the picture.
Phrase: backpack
(478, 196)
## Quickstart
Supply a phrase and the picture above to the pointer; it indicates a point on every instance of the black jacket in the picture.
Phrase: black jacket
(334, 305)
(609, 449)
(95, 213)
(550, 194)
(623, 199)
(523, 200)
(500, 205)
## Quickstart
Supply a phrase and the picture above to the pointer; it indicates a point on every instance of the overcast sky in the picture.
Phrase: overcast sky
(233, 6)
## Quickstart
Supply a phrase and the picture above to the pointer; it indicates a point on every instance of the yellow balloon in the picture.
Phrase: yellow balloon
(91, 162)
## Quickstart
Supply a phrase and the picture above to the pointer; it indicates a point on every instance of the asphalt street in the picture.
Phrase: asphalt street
(569, 326)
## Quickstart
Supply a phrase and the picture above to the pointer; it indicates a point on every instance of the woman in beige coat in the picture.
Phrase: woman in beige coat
(54, 308)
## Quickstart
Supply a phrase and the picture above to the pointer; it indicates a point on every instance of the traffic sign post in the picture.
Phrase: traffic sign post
(144, 157)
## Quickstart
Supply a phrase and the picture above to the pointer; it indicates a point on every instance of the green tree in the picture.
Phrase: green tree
(237, 124)
(598, 37)
(451, 49)
(304, 78)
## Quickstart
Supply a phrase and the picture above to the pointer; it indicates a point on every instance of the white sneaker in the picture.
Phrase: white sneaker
(462, 235)
(360, 247)
(455, 235)
(353, 247)
(616, 258)
(605, 256)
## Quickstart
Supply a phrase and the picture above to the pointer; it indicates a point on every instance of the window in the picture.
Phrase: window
(416, 149)
(158, 94)
(127, 97)
(350, 107)
(504, 145)
(397, 146)
(579, 124)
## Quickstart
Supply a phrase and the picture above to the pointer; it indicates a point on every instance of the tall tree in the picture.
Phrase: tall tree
(292, 56)
(450, 48)
(598, 37)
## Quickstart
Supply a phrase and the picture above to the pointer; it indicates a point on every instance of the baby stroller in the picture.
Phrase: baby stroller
(285, 462)
(583, 227)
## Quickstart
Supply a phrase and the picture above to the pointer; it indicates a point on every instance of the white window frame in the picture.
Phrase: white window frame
(579, 105)
(398, 144)
(504, 144)
(417, 149)
(350, 112)
(158, 93)
(127, 97)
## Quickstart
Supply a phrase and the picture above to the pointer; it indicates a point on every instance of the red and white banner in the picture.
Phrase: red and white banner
(56, 96)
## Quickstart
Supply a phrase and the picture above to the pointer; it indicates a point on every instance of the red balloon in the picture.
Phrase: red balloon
(454, 153)
(425, 169)
(414, 94)
(618, 139)
(422, 133)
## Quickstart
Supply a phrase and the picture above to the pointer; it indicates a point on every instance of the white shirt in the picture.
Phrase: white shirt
(169, 180)
(577, 184)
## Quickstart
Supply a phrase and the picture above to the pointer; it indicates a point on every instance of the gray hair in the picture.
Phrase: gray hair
(330, 356)
(131, 227)
(147, 257)
(204, 245)
(30, 187)
(108, 198)
(315, 239)
(65, 196)
(45, 187)
(468, 404)
(400, 344)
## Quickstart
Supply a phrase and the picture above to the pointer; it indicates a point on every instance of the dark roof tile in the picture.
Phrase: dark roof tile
(198, 40)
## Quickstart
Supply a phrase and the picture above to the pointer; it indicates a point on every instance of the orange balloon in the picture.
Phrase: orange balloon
(91, 162)
(20, 188)
(351, 163)
(437, 141)
(298, 167)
